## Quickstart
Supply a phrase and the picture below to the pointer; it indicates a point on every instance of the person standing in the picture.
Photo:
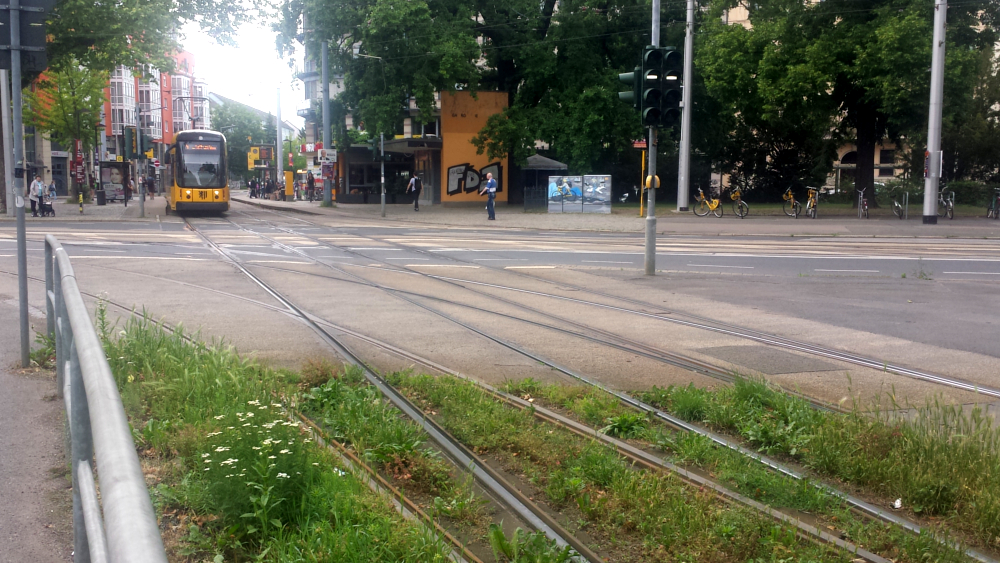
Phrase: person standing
(36, 189)
(415, 185)
(311, 186)
(490, 189)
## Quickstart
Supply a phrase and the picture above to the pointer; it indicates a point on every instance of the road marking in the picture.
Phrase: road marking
(407, 258)
(98, 250)
(277, 262)
(378, 248)
(529, 267)
(142, 258)
(865, 271)
(499, 259)
(438, 266)
(718, 266)
(605, 262)
(975, 273)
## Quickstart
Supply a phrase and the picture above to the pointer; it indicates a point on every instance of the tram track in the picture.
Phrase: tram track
(677, 423)
(673, 317)
(637, 456)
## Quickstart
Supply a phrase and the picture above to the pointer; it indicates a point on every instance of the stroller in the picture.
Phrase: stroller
(45, 208)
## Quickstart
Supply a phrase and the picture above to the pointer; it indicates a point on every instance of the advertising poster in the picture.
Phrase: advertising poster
(597, 194)
(565, 194)
(113, 178)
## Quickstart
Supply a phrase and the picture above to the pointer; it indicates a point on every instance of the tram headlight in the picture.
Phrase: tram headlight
(188, 193)
(216, 194)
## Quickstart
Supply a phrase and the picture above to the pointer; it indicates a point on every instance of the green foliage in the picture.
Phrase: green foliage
(242, 128)
(627, 425)
(527, 547)
(44, 356)
(228, 456)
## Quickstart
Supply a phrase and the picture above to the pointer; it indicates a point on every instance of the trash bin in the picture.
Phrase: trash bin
(101, 198)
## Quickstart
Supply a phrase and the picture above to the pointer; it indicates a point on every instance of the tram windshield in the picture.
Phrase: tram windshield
(201, 165)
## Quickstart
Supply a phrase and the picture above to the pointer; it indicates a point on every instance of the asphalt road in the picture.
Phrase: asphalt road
(926, 303)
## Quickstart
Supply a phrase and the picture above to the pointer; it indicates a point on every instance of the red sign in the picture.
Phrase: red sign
(639, 144)
(310, 147)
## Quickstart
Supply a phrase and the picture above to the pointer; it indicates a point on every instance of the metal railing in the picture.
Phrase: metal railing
(121, 525)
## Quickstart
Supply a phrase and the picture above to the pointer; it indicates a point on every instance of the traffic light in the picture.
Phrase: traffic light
(129, 148)
(670, 107)
(633, 79)
(147, 145)
(651, 85)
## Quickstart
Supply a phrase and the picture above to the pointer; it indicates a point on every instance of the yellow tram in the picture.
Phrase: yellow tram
(196, 176)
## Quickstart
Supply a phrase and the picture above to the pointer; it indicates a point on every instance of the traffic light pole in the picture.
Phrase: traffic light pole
(932, 174)
(650, 258)
(19, 171)
(684, 158)
(327, 186)
(139, 180)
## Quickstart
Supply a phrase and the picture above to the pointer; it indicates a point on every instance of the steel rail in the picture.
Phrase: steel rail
(99, 429)
(678, 423)
(459, 454)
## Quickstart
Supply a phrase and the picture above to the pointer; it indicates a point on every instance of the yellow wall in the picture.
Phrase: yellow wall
(461, 119)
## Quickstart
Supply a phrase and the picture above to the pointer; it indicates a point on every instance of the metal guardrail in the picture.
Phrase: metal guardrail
(120, 526)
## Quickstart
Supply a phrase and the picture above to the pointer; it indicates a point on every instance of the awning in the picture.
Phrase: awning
(539, 162)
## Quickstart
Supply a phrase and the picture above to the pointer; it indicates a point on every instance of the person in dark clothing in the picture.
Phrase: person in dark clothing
(271, 188)
(311, 186)
(415, 186)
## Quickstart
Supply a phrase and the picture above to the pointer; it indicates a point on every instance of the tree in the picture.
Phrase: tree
(242, 128)
(804, 76)
(66, 104)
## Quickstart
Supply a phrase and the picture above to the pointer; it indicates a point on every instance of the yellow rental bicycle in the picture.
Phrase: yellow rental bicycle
(704, 205)
(740, 207)
(791, 207)
(812, 200)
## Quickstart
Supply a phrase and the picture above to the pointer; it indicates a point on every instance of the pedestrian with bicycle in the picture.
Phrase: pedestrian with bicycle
(415, 186)
(490, 189)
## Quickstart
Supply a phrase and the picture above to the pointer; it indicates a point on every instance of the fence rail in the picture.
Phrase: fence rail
(121, 525)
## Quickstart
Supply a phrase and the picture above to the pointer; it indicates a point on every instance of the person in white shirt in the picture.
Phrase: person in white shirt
(35, 193)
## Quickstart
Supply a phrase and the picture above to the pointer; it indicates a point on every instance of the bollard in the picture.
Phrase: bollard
(81, 202)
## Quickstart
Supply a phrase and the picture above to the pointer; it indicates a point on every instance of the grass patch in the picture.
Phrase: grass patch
(249, 484)
(783, 431)
(637, 514)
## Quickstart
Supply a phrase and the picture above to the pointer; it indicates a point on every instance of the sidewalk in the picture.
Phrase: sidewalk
(626, 220)
(36, 517)
(93, 212)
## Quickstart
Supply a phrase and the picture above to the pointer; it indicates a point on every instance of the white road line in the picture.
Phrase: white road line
(378, 248)
(718, 266)
(143, 258)
(865, 271)
(277, 262)
(605, 262)
(438, 266)
(407, 258)
(97, 250)
(529, 267)
(499, 259)
(975, 273)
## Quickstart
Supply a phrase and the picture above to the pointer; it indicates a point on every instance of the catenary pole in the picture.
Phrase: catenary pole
(650, 258)
(381, 157)
(327, 185)
(280, 168)
(684, 158)
(8, 158)
(22, 245)
(932, 163)
(139, 180)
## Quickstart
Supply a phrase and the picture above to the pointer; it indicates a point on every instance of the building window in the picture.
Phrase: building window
(886, 157)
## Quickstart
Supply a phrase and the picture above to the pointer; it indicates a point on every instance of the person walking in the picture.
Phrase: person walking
(415, 185)
(35, 192)
(490, 189)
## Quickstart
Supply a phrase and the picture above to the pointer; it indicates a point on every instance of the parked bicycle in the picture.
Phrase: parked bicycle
(862, 205)
(740, 207)
(897, 209)
(704, 205)
(993, 210)
(791, 207)
(812, 201)
(946, 203)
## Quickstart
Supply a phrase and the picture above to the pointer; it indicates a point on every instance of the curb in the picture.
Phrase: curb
(263, 205)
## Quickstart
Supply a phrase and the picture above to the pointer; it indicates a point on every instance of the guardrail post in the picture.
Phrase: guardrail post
(50, 320)
(82, 449)
(61, 323)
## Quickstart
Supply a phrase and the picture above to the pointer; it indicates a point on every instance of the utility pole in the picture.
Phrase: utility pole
(381, 157)
(650, 258)
(327, 186)
(8, 159)
(281, 146)
(684, 160)
(932, 159)
(140, 182)
(19, 171)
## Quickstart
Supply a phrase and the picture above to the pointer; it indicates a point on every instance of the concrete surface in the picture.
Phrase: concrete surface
(35, 495)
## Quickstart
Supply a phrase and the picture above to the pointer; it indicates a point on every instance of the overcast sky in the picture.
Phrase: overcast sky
(249, 72)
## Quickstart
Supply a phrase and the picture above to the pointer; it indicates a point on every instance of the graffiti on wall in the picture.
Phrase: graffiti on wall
(465, 178)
